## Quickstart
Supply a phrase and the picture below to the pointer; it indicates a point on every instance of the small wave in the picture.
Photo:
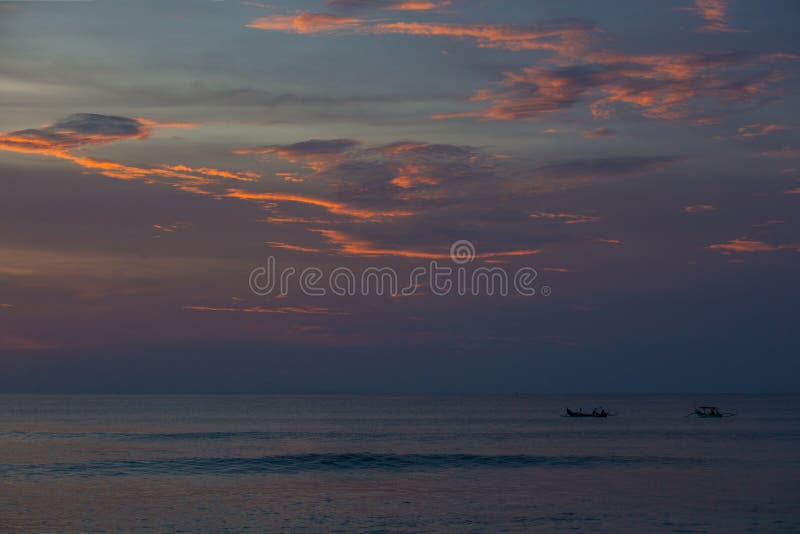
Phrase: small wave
(326, 462)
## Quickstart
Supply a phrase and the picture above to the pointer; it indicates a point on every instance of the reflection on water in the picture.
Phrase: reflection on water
(323, 463)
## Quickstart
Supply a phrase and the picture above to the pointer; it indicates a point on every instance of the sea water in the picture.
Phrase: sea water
(398, 464)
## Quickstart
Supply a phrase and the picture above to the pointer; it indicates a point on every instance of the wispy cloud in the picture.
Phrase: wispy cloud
(170, 228)
(560, 36)
(317, 154)
(288, 246)
(612, 242)
(749, 245)
(714, 14)
(17, 342)
(62, 138)
(352, 246)
(786, 152)
(759, 130)
(338, 208)
(661, 86)
(583, 169)
(566, 218)
(392, 5)
(698, 208)
(599, 133)
(280, 310)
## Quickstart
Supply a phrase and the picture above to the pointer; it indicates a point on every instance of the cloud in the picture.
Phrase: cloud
(715, 15)
(747, 245)
(170, 228)
(612, 242)
(337, 208)
(392, 5)
(604, 168)
(561, 36)
(305, 23)
(351, 246)
(758, 130)
(317, 154)
(17, 342)
(76, 130)
(698, 208)
(390, 175)
(782, 153)
(768, 222)
(566, 218)
(660, 86)
(296, 248)
(79, 131)
(599, 133)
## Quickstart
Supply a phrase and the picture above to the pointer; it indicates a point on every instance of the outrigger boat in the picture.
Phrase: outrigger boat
(595, 413)
(709, 411)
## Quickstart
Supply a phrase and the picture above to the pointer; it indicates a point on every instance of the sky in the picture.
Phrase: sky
(640, 159)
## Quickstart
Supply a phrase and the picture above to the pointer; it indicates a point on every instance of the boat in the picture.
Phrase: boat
(595, 413)
(709, 412)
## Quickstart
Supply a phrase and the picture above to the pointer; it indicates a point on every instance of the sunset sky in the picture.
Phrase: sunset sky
(641, 156)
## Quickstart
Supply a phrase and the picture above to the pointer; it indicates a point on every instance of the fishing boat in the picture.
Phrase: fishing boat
(595, 413)
(709, 411)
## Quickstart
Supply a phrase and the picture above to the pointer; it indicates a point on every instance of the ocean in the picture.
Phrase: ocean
(398, 464)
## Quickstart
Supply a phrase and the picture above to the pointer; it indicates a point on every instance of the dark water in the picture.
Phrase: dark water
(397, 464)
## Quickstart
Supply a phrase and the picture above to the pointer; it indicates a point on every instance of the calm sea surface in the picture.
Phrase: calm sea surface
(397, 464)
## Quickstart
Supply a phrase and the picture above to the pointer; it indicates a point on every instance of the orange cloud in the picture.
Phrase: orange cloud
(758, 130)
(662, 86)
(62, 138)
(153, 124)
(392, 5)
(614, 242)
(400, 172)
(287, 246)
(562, 37)
(170, 228)
(411, 176)
(698, 208)
(246, 176)
(331, 206)
(747, 245)
(417, 5)
(305, 23)
(355, 247)
(316, 154)
(715, 15)
(566, 218)
(293, 220)
(599, 133)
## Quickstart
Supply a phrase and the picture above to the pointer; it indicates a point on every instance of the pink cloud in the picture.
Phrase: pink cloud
(698, 208)
(748, 245)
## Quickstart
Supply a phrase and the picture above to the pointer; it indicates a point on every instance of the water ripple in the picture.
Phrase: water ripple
(327, 462)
